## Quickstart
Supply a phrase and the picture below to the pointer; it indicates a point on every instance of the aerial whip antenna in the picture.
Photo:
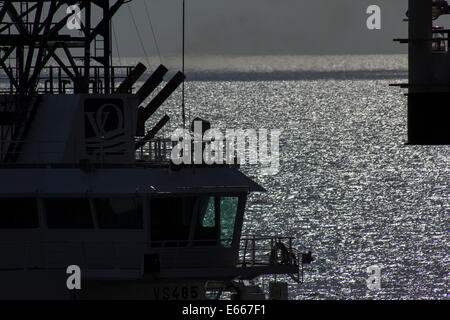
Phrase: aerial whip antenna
(183, 114)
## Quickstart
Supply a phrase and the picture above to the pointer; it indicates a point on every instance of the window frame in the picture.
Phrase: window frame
(195, 219)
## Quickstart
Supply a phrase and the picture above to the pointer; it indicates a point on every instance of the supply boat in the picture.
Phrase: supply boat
(86, 189)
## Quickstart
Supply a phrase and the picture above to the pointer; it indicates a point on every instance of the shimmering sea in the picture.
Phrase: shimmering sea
(348, 189)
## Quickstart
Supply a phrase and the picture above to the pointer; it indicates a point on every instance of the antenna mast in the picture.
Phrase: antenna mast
(183, 114)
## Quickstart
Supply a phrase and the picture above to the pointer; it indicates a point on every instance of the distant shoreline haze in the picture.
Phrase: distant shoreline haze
(295, 67)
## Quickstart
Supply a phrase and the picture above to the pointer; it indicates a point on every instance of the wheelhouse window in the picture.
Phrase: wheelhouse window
(198, 221)
(206, 232)
(208, 212)
(170, 219)
(228, 212)
(18, 213)
(217, 218)
(119, 213)
(68, 213)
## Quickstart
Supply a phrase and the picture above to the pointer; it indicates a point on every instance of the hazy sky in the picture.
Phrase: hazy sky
(259, 27)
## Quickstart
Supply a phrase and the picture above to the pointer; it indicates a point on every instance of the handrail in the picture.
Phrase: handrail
(260, 250)
(155, 150)
(53, 79)
(129, 255)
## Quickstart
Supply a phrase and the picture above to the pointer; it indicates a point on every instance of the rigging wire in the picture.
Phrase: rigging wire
(153, 31)
(183, 114)
(183, 69)
(138, 34)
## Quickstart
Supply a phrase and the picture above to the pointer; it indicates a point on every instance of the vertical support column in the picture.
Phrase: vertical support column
(87, 46)
(428, 94)
(107, 48)
(19, 66)
(253, 251)
(420, 33)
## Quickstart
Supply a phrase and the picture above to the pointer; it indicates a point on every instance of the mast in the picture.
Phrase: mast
(48, 40)
(41, 52)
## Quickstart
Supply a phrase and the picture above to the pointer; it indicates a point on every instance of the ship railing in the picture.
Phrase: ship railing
(160, 149)
(37, 151)
(155, 150)
(53, 80)
(440, 39)
(9, 27)
(185, 243)
(266, 251)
